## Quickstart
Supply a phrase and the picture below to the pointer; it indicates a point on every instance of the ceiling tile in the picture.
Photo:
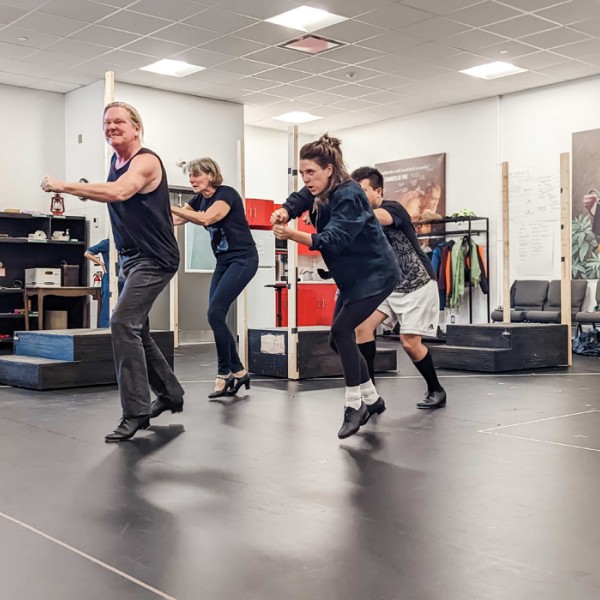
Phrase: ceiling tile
(8, 14)
(71, 77)
(569, 70)
(521, 26)
(174, 10)
(126, 20)
(483, 14)
(34, 39)
(256, 84)
(386, 82)
(394, 16)
(82, 10)
(473, 40)
(348, 8)
(459, 62)
(429, 51)
(320, 83)
(351, 31)
(128, 59)
(590, 26)
(268, 33)
(233, 46)
(316, 65)
(436, 28)
(261, 99)
(95, 34)
(115, 3)
(353, 104)
(538, 60)
(220, 20)
(352, 74)
(245, 67)
(423, 71)
(572, 12)
(352, 90)
(283, 75)
(14, 51)
(383, 97)
(506, 50)
(259, 9)
(580, 49)
(390, 63)
(202, 58)
(554, 38)
(25, 4)
(55, 59)
(352, 54)
(290, 92)
(391, 42)
(327, 110)
(25, 68)
(275, 56)
(54, 86)
(321, 98)
(155, 47)
(186, 34)
(53, 24)
(78, 48)
(531, 5)
(16, 79)
(98, 67)
(440, 7)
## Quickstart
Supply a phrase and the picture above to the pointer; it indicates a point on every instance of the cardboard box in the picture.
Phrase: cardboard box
(40, 277)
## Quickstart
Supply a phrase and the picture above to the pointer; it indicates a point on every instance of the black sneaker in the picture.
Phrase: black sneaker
(353, 419)
(377, 407)
(433, 400)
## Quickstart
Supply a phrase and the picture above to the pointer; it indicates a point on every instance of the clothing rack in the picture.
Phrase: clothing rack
(469, 231)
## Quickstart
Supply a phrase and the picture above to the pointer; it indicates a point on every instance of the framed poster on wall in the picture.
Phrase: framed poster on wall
(419, 184)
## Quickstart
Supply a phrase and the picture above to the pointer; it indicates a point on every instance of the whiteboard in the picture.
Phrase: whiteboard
(199, 257)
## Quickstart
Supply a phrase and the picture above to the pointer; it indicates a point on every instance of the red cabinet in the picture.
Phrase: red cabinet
(315, 304)
(258, 213)
(302, 226)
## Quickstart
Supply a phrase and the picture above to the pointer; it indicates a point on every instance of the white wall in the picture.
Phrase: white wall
(468, 134)
(33, 128)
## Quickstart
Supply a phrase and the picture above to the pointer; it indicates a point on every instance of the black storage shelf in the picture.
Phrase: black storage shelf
(18, 252)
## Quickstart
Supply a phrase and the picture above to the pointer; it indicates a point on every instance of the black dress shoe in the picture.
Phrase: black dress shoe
(377, 407)
(238, 382)
(229, 382)
(127, 428)
(160, 405)
(433, 400)
(353, 419)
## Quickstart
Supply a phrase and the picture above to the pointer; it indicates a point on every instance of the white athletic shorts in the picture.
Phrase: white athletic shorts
(417, 312)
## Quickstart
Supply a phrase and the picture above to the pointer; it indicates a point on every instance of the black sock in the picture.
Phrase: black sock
(426, 368)
(368, 350)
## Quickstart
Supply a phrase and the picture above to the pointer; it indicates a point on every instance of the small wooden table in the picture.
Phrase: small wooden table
(65, 292)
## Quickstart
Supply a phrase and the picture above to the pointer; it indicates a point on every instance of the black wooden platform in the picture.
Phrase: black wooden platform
(499, 347)
(268, 353)
(67, 358)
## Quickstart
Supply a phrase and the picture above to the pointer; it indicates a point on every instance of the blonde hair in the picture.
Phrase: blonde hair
(134, 115)
(327, 151)
(205, 165)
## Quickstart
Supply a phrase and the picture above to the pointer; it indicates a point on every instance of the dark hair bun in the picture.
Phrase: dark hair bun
(332, 142)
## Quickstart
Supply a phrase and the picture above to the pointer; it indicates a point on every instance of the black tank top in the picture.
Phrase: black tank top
(144, 222)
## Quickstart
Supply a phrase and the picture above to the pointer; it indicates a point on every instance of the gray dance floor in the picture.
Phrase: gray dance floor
(494, 497)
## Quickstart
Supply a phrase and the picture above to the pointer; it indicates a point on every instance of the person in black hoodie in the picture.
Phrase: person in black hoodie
(357, 254)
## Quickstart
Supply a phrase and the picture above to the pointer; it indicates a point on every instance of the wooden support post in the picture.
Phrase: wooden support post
(505, 246)
(242, 300)
(174, 301)
(565, 248)
(293, 167)
(109, 96)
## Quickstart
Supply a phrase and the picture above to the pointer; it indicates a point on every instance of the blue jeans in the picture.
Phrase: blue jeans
(228, 281)
(104, 308)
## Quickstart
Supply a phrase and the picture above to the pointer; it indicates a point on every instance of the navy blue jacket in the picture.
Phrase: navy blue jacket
(350, 239)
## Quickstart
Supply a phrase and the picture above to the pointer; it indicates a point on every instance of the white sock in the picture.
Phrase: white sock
(368, 392)
(353, 397)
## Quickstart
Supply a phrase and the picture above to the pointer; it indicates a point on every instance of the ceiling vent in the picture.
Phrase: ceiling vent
(311, 44)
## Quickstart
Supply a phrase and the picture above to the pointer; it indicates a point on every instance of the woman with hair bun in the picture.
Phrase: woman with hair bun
(357, 254)
(220, 210)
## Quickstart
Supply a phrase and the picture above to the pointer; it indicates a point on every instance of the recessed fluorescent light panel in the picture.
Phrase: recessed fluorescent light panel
(306, 18)
(493, 70)
(297, 117)
(175, 68)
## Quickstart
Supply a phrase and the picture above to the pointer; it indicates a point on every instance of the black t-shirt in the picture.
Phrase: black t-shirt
(144, 222)
(231, 236)
(415, 267)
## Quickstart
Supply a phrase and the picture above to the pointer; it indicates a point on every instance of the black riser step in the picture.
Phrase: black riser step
(85, 345)
(497, 360)
(504, 335)
(36, 373)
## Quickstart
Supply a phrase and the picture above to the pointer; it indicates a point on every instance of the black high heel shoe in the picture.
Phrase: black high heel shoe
(229, 383)
(238, 382)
